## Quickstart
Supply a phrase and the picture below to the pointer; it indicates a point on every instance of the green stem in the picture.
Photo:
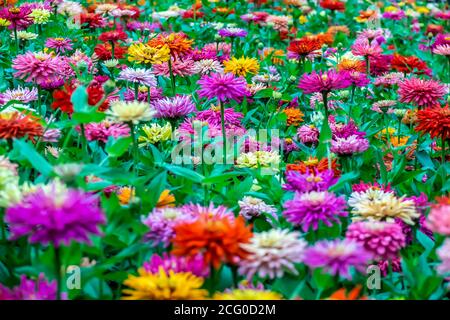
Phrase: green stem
(112, 49)
(352, 97)
(136, 91)
(135, 147)
(16, 40)
(84, 143)
(172, 77)
(443, 149)
(57, 263)
(224, 133)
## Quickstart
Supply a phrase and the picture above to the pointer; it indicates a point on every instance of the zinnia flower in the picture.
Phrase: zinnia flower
(247, 294)
(308, 209)
(16, 125)
(253, 207)
(178, 43)
(36, 66)
(337, 257)
(163, 286)
(21, 94)
(103, 130)
(438, 219)
(312, 180)
(29, 289)
(272, 253)
(61, 45)
(302, 48)
(219, 239)
(232, 32)
(174, 107)
(131, 111)
(56, 215)
(222, 86)
(323, 82)
(241, 66)
(420, 92)
(383, 239)
(349, 145)
(435, 121)
(380, 205)
(143, 53)
(195, 265)
(142, 77)
(444, 255)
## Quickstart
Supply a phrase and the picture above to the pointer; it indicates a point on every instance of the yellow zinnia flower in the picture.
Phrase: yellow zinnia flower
(164, 286)
(131, 111)
(247, 294)
(40, 16)
(155, 133)
(143, 53)
(242, 66)
(4, 22)
(166, 200)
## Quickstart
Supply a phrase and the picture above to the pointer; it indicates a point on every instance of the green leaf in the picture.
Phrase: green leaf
(184, 172)
(426, 242)
(88, 117)
(324, 140)
(79, 99)
(37, 161)
(118, 147)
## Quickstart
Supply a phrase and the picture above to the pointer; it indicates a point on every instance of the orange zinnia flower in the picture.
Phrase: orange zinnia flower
(333, 30)
(435, 121)
(165, 200)
(294, 116)
(314, 164)
(218, 238)
(178, 43)
(343, 294)
(351, 65)
(408, 64)
(277, 55)
(19, 125)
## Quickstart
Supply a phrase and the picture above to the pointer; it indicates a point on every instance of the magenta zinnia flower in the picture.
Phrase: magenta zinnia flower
(337, 257)
(28, 289)
(36, 67)
(309, 181)
(212, 116)
(383, 239)
(232, 32)
(195, 265)
(174, 107)
(56, 215)
(420, 92)
(308, 134)
(223, 87)
(19, 17)
(308, 209)
(61, 45)
(358, 79)
(323, 82)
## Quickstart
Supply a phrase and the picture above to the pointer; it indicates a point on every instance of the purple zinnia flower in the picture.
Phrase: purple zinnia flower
(394, 15)
(141, 77)
(174, 107)
(337, 257)
(223, 87)
(232, 32)
(28, 289)
(383, 239)
(155, 94)
(212, 116)
(308, 209)
(54, 214)
(323, 82)
(308, 134)
(161, 222)
(24, 95)
(195, 265)
(309, 181)
(60, 45)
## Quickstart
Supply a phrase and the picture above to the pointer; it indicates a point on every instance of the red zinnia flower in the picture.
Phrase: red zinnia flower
(409, 64)
(435, 121)
(104, 51)
(113, 36)
(332, 5)
(423, 93)
(300, 49)
(61, 98)
(92, 20)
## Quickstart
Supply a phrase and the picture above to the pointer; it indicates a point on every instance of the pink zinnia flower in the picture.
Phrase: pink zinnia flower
(308, 209)
(364, 48)
(422, 93)
(439, 219)
(349, 145)
(174, 107)
(61, 45)
(223, 87)
(213, 116)
(308, 134)
(29, 289)
(19, 17)
(103, 130)
(181, 68)
(442, 49)
(383, 239)
(323, 82)
(358, 79)
(337, 257)
(195, 264)
(24, 95)
(444, 255)
(36, 67)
